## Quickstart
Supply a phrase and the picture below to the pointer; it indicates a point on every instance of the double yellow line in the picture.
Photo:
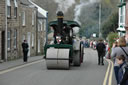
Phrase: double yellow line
(109, 73)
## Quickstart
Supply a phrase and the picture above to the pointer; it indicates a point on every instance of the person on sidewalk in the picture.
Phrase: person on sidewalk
(123, 70)
(117, 51)
(100, 47)
(25, 50)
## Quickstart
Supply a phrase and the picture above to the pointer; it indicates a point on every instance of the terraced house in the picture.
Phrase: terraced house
(121, 23)
(126, 21)
(123, 19)
(19, 21)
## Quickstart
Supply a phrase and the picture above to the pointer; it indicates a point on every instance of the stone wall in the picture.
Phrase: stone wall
(28, 29)
(2, 22)
(12, 25)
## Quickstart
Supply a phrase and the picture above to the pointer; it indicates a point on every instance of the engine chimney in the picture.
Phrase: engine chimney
(60, 17)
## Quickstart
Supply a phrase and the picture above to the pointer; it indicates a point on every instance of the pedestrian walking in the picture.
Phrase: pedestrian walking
(123, 70)
(118, 51)
(25, 50)
(100, 47)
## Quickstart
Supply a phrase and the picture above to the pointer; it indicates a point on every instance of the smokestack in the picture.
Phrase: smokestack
(60, 17)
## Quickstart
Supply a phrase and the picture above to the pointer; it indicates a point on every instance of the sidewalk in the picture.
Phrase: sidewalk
(9, 64)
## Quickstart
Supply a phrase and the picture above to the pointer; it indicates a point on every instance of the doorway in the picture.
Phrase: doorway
(3, 45)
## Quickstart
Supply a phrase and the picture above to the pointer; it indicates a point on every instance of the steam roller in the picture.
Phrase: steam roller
(63, 47)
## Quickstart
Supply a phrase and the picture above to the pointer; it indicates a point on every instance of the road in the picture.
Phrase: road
(90, 73)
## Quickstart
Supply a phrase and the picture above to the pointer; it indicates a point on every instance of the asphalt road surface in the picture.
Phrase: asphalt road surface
(90, 73)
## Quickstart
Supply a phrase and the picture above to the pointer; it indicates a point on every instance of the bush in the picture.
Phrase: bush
(112, 37)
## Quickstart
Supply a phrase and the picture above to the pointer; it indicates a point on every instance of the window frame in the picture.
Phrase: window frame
(32, 39)
(15, 39)
(8, 11)
(23, 18)
(33, 17)
(15, 12)
(9, 40)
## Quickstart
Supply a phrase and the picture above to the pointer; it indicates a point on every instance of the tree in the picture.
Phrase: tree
(110, 25)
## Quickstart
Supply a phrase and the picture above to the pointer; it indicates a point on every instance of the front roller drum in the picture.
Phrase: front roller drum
(57, 58)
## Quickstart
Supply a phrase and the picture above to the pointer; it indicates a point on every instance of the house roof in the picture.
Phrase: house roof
(25, 2)
(40, 10)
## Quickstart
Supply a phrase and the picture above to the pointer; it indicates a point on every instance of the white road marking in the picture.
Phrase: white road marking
(21, 66)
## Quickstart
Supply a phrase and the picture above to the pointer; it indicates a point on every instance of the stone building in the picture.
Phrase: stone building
(12, 29)
(9, 25)
(18, 22)
(2, 29)
(41, 28)
(28, 26)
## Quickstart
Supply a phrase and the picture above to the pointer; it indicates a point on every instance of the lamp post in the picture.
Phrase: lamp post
(100, 35)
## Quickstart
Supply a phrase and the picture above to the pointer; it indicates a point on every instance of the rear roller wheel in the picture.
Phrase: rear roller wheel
(76, 59)
(81, 53)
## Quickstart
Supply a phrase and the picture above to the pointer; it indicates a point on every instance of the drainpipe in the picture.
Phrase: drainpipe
(6, 30)
(36, 31)
(47, 28)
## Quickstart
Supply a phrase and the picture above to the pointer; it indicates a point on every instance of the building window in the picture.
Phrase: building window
(121, 15)
(33, 18)
(9, 40)
(122, 1)
(8, 9)
(23, 38)
(32, 40)
(39, 26)
(15, 8)
(44, 25)
(23, 18)
(15, 12)
(15, 38)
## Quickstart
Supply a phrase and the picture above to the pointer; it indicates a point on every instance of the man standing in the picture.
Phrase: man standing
(101, 51)
(25, 50)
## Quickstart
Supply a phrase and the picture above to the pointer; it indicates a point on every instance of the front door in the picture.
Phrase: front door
(3, 45)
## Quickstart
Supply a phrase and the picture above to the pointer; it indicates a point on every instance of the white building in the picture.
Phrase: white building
(121, 23)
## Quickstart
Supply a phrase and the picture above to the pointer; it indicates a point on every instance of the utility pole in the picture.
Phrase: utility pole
(100, 20)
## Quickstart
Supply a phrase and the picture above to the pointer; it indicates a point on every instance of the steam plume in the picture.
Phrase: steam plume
(63, 5)
(80, 6)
